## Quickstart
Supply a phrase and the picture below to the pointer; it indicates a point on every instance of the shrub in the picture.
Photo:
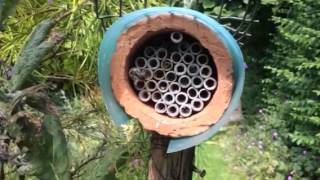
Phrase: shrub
(292, 88)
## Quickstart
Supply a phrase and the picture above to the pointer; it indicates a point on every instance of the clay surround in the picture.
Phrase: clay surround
(146, 115)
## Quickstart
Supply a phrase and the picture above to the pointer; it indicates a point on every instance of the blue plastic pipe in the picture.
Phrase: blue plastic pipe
(108, 46)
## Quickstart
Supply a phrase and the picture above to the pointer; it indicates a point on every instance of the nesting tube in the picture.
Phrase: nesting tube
(205, 71)
(139, 85)
(202, 59)
(173, 110)
(149, 52)
(156, 96)
(181, 98)
(180, 69)
(176, 37)
(133, 73)
(175, 57)
(197, 82)
(185, 81)
(168, 98)
(161, 53)
(163, 86)
(195, 48)
(210, 83)
(171, 76)
(160, 107)
(192, 93)
(147, 74)
(183, 46)
(185, 110)
(204, 94)
(197, 104)
(166, 64)
(158, 74)
(174, 87)
(140, 62)
(144, 95)
(151, 85)
(153, 63)
(188, 58)
(193, 69)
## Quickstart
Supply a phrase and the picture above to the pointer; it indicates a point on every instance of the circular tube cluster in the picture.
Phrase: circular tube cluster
(175, 77)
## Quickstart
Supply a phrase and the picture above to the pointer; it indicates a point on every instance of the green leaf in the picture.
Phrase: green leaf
(207, 4)
(6, 8)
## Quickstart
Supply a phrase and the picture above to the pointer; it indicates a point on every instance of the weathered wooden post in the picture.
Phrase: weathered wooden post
(179, 73)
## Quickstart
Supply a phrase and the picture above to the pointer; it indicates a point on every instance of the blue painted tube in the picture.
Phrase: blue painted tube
(108, 46)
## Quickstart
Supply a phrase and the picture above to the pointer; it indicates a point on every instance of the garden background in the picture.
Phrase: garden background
(278, 137)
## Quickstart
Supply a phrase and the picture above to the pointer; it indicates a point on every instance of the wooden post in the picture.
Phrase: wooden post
(173, 166)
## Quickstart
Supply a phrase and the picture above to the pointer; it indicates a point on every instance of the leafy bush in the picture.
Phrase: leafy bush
(291, 89)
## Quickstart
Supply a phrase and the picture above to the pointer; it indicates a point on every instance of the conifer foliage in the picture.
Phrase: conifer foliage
(292, 89)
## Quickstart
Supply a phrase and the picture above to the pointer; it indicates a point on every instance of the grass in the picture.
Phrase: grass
(217, 156)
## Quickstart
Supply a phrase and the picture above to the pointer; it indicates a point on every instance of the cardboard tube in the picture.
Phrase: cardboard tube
(174, 87)
(181, 98)
(140, 62)
(210, 83)
(156, 96)
(204, 95)
(153, 63)
(192, 92)
(197, 82)
(163, 86)
(195, 48)
(180, 69)
(144, 95)
(205, 71)
(185, 81)
(193, 69)
(160, 107)
(202, 59)
(168, 98)
(158, 74)
(151, 85)
(176, 37)
(188, 58)
(185, 110)
(197, 104)
(173, 110)
(149, 52)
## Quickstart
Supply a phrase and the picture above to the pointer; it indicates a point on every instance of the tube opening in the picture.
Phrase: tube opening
(149, 51)
(176, 37)
(175, 57)
(172, 73)
(171, 76)
(174, 88)
(156, 96)
(166, 64)
(162, 53)
(151, 85)
(188, 58)
(153, 63)
(196, 48)
(141, 62)
(159, 74)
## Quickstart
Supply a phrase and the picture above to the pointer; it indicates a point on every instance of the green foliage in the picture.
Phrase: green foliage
(293, 81)
(6, 8)
(33, 52)
(217, 156)
(98, 149)
(53, 148)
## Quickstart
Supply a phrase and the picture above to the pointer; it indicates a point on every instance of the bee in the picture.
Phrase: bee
(139, 74)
